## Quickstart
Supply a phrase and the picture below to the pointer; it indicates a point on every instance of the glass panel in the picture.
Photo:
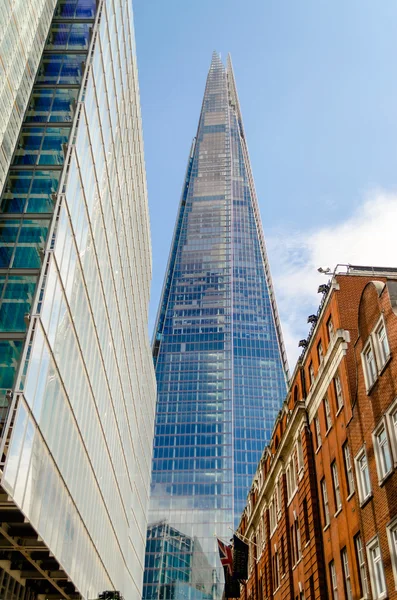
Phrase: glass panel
(79, 8)
(45, 183)
(10, 353)
(36, 187)
(69, 36)
(16, 300)
(52, 152)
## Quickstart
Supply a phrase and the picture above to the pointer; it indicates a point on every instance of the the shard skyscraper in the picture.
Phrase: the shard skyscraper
(218, 353)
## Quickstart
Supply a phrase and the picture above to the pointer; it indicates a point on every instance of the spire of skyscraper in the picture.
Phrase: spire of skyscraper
(218, 352)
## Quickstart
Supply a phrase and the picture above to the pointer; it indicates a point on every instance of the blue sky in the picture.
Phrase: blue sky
(317, 82)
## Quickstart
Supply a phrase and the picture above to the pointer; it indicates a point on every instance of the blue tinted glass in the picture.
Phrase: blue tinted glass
(219, 370)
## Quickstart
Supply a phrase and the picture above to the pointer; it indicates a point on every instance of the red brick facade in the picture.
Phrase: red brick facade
(320, 513)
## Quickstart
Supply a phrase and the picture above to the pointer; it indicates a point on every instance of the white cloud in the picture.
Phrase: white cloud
(367, 237)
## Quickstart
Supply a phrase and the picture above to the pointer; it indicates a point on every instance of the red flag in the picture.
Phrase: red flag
(226, 556)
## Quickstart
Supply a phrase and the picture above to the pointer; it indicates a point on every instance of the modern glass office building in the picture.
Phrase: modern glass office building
(77, 385)
(218, 353)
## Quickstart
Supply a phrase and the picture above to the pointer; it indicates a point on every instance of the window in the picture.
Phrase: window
(259, 536)
(330, 328)
(320, 352)
(298, 539)
(327, 414)
(262, 527)
(278, 498)
(272, 517)
(334, 582)
(252, 552)
(335, 479)
(382, 344)
(363, 479)
(317, 430)
(276, 570)
(291, 477)
(325, 502)
(299, 452)
(306, 521)
(361, 565)
(282, 554)
(338, 392)
(348, 469)
(392, 537)
(377, 574)
(382, 452)
(346, 574)
(392, 428)
(311, 374)
(370, 370)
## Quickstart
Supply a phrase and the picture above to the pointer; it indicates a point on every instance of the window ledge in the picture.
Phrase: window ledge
(366, 500)
(339, 410)
(328, 430)
(385, 478)
(318, 449)
(350, 496)
(371, 387)
(327, 526)
(388, 359)
(338, 511)
(292, 496)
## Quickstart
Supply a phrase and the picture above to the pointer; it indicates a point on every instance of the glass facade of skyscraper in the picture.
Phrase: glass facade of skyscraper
(77, 385)
(218, 353)
(23, 31)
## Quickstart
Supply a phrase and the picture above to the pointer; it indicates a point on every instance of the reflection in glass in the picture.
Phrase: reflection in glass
(218, 357)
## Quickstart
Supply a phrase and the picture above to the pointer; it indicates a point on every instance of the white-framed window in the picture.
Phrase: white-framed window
(259, 536)
(346, 574)
(363, 478)
(299, 453)
(272, 517)
(338, 392)
(392, 537)
(361, 565)
(335, 480)
(330, 328)
(298, 539)
(252, 552)
(276, 570)
(382, 344)
(311, 374)
(334, 581)
(317, 430)
(348, 469)
(376, 571)
(291, 477)
(262, 527)
(383, 458)
(391, 417)
(278, 496)
(369, 365)
(324, 494)
(327, 414)
(320, 352)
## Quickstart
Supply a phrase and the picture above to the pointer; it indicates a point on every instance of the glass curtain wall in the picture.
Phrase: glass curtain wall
(75, 254)
(31, 186)
(23, 31)
(218, 353)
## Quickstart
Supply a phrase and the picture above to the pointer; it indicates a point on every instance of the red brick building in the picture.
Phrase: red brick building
(321, 515)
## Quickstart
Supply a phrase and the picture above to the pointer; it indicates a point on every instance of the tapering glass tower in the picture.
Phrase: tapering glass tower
(218, 353)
